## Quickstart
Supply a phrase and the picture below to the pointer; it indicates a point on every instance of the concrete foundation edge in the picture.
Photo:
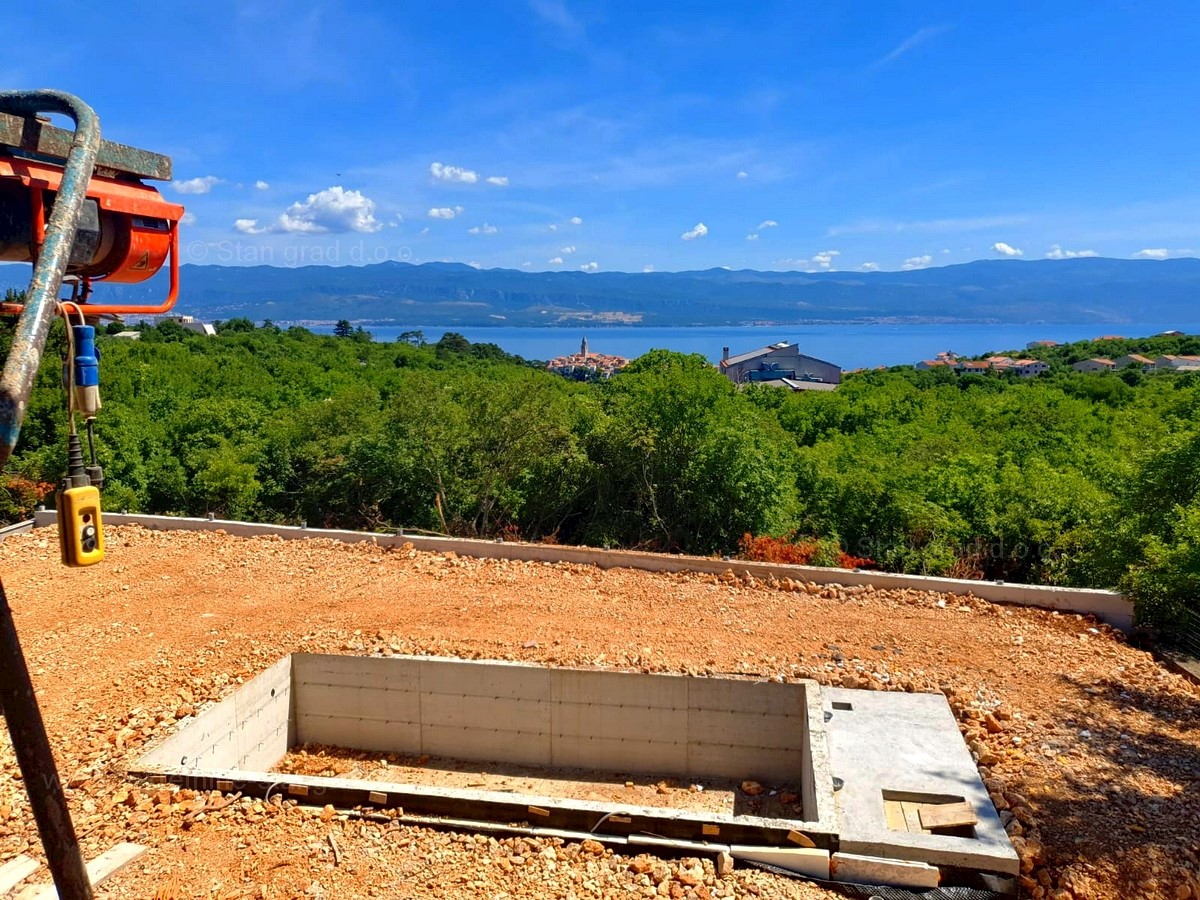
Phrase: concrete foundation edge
(1107, 606)
(19, 527)
(856, 869)
(806, 861)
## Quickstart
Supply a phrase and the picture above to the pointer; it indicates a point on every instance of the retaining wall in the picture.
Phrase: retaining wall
(1107, 606)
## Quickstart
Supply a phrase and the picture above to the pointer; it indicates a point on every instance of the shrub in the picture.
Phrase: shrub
(807, 552)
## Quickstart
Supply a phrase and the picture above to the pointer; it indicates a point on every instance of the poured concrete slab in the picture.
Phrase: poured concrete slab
(886, 745)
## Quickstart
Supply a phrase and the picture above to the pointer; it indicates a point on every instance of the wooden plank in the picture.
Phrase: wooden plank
(946, 815)
(893, 815)
(100, 869)
(799, 837)
(15, 871)
(912, 816)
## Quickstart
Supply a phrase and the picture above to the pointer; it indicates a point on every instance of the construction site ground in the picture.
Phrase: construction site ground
(1091, 749)
(618, 788)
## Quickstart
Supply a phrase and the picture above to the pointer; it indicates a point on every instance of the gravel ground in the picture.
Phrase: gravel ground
(1090, 748)
(713, 796)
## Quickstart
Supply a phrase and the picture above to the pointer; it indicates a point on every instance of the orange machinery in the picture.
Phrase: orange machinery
(125, 232)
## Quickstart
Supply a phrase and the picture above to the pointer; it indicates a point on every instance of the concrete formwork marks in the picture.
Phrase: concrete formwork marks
(247, 730)
(874, 746)
(529, 715)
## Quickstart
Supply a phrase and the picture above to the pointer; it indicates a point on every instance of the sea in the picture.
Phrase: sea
(849, 346)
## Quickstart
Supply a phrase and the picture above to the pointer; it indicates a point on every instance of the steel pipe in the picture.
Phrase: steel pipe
(21, 367)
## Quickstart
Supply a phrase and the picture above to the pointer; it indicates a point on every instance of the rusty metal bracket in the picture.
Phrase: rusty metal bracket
(40, 139)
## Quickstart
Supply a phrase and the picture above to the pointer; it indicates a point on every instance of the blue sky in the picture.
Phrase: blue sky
(564, 134)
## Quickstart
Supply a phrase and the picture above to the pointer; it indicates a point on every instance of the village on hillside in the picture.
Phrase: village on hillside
(783, 365)
(585, 365)
(1029, 368)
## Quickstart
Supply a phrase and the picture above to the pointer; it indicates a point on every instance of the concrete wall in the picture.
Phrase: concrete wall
(17, 528)
(529, 715)
(1108, 606)
(495, 712)
(250, 729)
(880, 745)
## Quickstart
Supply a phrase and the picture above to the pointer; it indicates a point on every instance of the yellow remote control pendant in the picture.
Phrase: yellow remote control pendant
(80, 531)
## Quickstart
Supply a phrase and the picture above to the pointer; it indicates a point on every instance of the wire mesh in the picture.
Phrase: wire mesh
(881, 892)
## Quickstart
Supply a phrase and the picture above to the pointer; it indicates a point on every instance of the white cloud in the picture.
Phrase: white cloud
(552, 227)
(485, 228)
(189, 218)
(1153, 253)
(261, 185)
(870, 267)
(498, 180)
(1057, 252)
(915, 39)
(475, 264)
(567, 250)
(445, 212)
(334, 209)
(526, 264)
(424, 230)
(820, 262)
(752, 236)
(590, 267)
(649, 268)
(555, 13)
(699, 231)
(979, 223)
(248, 226)
(769, 223)
(1006, 249)
(452, 173)
(743, 174)
(916, 262)
(201, 185)
(576, 220)
(557, 261)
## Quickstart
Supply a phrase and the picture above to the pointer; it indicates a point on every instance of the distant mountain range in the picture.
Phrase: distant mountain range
(1099, 290)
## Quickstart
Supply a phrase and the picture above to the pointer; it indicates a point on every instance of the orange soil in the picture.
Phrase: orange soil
(1088, 744)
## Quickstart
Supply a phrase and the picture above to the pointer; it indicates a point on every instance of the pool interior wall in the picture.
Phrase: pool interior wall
(837, 752)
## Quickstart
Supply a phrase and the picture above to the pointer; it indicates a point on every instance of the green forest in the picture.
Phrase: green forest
(1069, 478)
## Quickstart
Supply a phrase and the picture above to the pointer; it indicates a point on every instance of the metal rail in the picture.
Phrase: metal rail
(21, 712)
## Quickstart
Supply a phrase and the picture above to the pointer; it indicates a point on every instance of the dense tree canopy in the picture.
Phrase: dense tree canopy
(1071, 478)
